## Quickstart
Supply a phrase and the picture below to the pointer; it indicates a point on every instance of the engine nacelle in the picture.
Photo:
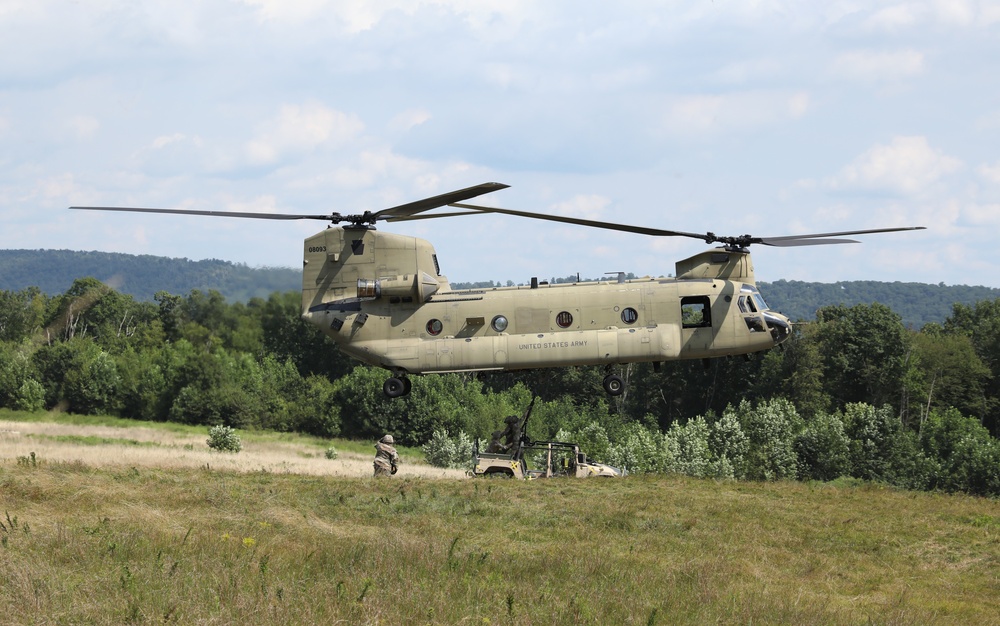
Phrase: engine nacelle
(420, 286)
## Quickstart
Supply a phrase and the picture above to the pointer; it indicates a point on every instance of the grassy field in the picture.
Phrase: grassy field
(86, 541)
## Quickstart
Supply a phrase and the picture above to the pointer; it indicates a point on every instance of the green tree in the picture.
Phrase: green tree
(22, 314)
(19, 385)
(864, 350)
(950, 373)
(981, 323)
(796, 372)
(287, 336)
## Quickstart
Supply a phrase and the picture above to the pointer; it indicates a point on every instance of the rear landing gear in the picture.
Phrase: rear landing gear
(396, 387)
(614, 385)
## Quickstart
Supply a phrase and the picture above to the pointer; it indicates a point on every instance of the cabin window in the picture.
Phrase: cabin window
(499, 323)
(696, 312)
(630, 315)
(564, 319)
(434, 328)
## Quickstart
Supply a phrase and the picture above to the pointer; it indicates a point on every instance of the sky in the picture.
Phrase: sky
(756, 117)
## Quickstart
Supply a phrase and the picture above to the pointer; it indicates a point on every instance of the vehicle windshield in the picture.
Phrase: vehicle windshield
(759, 301)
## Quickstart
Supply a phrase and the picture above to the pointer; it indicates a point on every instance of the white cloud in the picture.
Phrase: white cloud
(709, 114)
(746, 71)
(409, 119)
(982, 215)
(874, 66)
(990, 172)
(584, 206)
(83, 126)
(357, 16)
(907, 165)
(163, 141)
(299, 129)
(892, 18)
(958, 12)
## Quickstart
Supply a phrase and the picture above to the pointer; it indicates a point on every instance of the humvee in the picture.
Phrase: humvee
(554, 458)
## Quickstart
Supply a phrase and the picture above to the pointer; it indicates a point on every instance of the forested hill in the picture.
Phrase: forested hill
(141, 276)
(917, 303)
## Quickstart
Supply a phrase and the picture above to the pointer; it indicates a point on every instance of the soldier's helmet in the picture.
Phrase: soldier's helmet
(511, 419)
(386, 439)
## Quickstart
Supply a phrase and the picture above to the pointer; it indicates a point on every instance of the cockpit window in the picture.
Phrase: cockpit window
(759, 300)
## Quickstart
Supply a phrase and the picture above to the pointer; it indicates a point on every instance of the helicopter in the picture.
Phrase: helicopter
(381, 297)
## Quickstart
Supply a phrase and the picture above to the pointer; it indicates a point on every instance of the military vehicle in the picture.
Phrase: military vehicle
(553, 458)
(383, 300)
(509, 452)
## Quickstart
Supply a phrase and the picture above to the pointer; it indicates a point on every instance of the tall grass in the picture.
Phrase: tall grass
(108, 546)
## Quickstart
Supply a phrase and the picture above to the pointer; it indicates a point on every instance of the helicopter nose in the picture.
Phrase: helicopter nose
(780, 327)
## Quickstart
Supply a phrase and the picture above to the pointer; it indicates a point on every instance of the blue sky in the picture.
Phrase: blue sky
(768, 118)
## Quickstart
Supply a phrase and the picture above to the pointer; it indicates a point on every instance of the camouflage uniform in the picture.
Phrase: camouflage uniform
(386, 458)
(512, 434)
(496, 444)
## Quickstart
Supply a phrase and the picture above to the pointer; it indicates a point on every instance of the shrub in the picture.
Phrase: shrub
(770, 428)
(30, 397)
(643, 451)
(445, 451)
(823, 449)
(224, 439)
(331, 453)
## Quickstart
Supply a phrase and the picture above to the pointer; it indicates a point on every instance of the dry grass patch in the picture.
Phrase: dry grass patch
(142, 446)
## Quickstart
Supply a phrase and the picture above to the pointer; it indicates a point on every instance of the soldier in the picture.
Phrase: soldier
(496, 444)
(386, 459)
(512, 433)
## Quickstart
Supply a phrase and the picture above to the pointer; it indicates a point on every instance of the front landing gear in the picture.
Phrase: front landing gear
(614, 385)
(396, 387)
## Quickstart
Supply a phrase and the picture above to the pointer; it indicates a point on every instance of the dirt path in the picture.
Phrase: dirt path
(156, 448)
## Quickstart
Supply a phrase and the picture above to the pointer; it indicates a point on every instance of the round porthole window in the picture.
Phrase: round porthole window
(499, 323)
(564, 319)
(434, 327)
(630, 315)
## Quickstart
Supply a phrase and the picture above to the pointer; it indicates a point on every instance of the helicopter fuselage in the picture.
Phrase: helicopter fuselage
(381, 298)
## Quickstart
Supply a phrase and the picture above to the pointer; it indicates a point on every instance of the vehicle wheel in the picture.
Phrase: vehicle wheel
(406, 386)
(614, 385)
(394, 387)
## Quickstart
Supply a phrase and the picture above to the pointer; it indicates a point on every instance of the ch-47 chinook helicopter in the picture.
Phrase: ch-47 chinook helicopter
(382, 298)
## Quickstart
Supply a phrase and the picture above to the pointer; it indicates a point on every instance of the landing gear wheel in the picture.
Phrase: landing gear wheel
(406, 386)
(395, 387)
(614, 385)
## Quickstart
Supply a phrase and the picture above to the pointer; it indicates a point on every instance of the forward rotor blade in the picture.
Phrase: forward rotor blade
(641, 230)
(419, 206)
(793, 241)
(260, 216)
(412, 218)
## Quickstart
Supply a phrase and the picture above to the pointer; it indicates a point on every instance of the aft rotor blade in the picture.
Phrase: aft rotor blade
(641, 230)
(818, 239)
(260, 216)
(419, 206)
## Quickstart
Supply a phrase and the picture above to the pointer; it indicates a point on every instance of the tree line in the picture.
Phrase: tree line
(854, 393)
